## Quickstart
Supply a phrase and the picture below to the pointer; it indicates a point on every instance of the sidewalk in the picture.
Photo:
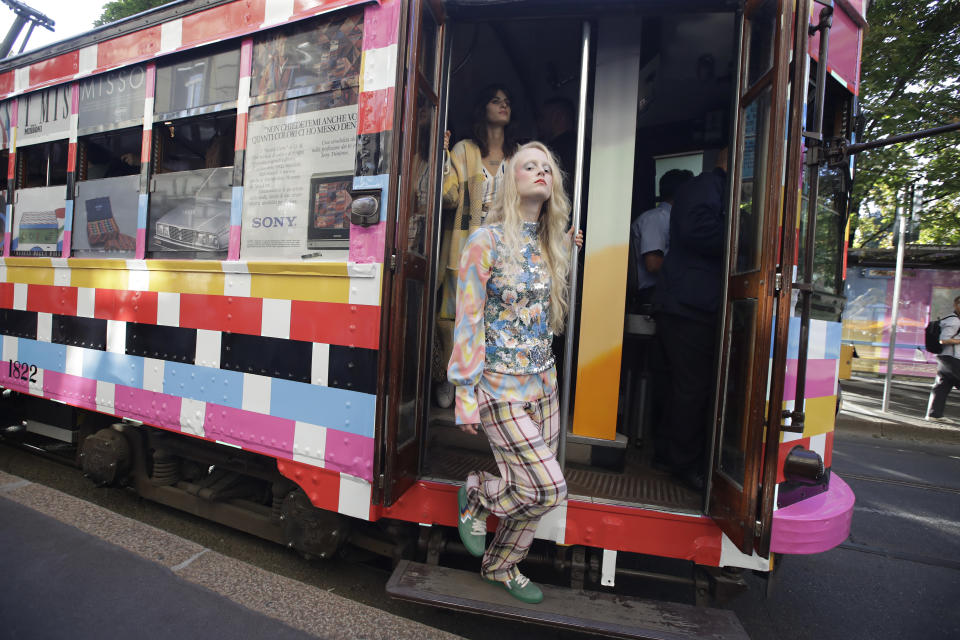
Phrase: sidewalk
(861, 413)
(72, 569)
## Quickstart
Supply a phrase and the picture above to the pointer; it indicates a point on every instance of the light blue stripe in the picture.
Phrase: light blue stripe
(834, 334)
(142, 204)
(45, 355)
(117, 368)
(68, 221)
(793, 339)
(349, 411)
(8, 224)
(381, 182)
(236, 206)
(203, 383)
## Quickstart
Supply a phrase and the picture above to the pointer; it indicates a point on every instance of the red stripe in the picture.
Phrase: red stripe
(145, 146)
(784, 450)
(375, 111)
(240, 142)
(56, 68)
(221, 22)
(129, 48)
(6, 82)
(6, 295)
(353, 325)
(71, 155)
(50, 299)
(129, 306)
(828, 451)
(321, 485)
(221, 313)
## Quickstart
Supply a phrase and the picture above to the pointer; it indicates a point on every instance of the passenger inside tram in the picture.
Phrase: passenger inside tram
(658, 99)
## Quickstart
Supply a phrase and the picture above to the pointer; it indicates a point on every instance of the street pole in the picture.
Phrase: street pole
(895, 312)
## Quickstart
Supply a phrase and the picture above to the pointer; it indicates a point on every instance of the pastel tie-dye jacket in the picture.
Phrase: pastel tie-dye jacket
(502, 337)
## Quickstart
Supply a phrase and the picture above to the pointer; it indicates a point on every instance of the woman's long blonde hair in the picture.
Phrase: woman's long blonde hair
(554, 239)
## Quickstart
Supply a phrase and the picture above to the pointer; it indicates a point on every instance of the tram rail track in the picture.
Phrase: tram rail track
(901, 483)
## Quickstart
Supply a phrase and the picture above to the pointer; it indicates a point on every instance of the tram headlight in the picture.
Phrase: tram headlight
(803, 466)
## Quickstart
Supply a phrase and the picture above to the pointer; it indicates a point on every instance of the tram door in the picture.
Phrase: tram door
(408, 307)
(757, 190)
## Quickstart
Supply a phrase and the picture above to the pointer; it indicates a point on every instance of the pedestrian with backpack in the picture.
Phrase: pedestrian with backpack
(948, 363)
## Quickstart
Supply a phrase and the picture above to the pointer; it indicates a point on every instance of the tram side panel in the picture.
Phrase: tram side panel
(275, 358)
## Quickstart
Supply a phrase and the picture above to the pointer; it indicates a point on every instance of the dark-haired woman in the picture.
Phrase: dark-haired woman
(472, 175)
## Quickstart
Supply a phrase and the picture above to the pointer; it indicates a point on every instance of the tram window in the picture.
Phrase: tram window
(109, 155)
(112, 100)
(194, 82)
(42, 165)
(189, 144)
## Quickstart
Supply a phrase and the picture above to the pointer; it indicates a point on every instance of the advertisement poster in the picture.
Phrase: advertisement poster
(318, 57)
(105, 218)
(112, 100)
(190, 213)
(189, 84)
(299, 171)
(38, 218)
(43, 116)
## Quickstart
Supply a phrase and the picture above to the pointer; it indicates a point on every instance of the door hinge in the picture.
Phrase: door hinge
(757, 528)
(778, 282)
(380, 481)
(393, 262)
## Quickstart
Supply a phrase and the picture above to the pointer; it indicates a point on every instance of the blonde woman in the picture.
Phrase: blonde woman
(511, 299)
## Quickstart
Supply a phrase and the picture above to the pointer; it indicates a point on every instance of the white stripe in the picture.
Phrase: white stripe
(61, 277)
(191, 416)
(208, 348)
(10, 348)
(19, 296)
(3, 267)
(74, 361)
(320, 364)
(276, 318)
(74, 125)
(106, 392)
(138, 278)
(608, 567)
(354, 497)
(310, 444)
(243, 99)
(171, 35)
(44, 327)
(731, 556)
(379, 68)
(86, 302)
(364, 283)
(819, 444)
(21, 79)
(277, 11)
(256, 393)
(168, 309)
(553, 526)
(88, 60)
(237, 284)
(116, 336)
(818, 340)
(153, 375)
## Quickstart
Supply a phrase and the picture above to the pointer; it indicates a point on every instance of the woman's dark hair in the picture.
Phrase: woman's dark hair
(480, 121)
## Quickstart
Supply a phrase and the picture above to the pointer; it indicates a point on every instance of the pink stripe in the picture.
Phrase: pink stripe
(233, 252)
(349, 453)
(67, 239)
(821, 379)
(246, 58)
(75, 99)
(12, 383)
(6, 242)
(151, 89)
(380, 24)
(74, 390)
(253, 431)
(816, 524)
(366, 243)
(141, 244)
(158, 409)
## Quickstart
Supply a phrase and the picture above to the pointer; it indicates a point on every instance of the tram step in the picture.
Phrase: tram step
(594, 612)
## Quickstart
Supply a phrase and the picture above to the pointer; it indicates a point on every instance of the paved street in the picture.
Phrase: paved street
(897, 575)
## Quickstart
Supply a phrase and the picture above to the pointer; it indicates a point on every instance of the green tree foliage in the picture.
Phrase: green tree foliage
(910, 81)
(117, 9)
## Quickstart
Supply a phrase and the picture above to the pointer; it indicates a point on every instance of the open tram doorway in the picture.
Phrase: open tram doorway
(661, 85)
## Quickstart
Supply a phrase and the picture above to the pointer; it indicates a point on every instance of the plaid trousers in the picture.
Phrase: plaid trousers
(524, 438)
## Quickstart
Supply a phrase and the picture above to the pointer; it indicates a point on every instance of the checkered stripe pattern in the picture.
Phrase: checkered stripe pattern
(524, 438)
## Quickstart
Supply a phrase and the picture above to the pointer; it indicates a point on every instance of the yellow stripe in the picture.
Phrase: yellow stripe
(187, 282)
(30, 275)
(36, 263)
(820, 414)
(99, 278)
(289, 287)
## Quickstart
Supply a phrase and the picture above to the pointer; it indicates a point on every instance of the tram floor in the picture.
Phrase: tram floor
(451, 454)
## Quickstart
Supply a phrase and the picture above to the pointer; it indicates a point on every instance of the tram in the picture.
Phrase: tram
(221, 252)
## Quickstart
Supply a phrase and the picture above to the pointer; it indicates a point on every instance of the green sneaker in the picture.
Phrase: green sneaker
(521, 588)
(473, 531)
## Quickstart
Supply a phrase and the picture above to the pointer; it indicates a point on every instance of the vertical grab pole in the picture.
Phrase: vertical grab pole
(575, 260)
(895, 312)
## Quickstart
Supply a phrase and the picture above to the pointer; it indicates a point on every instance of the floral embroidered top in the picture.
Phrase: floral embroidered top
(502, 337)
